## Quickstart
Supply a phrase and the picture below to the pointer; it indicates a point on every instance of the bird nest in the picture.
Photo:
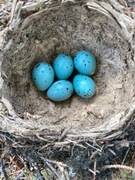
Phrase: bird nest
(41, 30)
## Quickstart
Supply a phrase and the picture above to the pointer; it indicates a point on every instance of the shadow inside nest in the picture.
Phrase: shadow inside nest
(82, 160)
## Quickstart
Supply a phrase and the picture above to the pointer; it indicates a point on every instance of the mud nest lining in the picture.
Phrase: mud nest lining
(69, 29)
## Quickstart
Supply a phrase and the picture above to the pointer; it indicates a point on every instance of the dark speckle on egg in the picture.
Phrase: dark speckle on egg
(37, 65)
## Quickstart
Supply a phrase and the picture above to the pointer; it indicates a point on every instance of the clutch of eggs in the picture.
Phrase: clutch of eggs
(63, 66)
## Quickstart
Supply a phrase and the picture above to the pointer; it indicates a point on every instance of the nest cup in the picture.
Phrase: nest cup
(68, 29)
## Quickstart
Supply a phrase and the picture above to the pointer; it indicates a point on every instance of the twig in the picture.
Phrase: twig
(66, 175)
(95, 6)
(33, 5)
(59, 144)
(39, 175)
(111, 151)
(93, 172)
(41, 138)
(60, 165)
(13, 9)
(19, 176)
(119, 166)
(64, 133)
(63, 175)
(125, 156)
(56, 162)
(53, 170)
(93, 154)
(93, 147)
(94, 175)
(36, 168)
(77, 144)
(3, 170)
(9, 106)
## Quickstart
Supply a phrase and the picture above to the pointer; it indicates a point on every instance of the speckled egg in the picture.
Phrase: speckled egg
(43, 76)
(85, 62)
(63, 66)
(84, 86)
(60, 90)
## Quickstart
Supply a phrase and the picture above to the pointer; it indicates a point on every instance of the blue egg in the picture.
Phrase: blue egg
(43, 76)
(63, 66)
(84, 86)
(60, 90)
(85, 62)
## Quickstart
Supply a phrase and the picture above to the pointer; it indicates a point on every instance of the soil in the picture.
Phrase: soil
(66, 30)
